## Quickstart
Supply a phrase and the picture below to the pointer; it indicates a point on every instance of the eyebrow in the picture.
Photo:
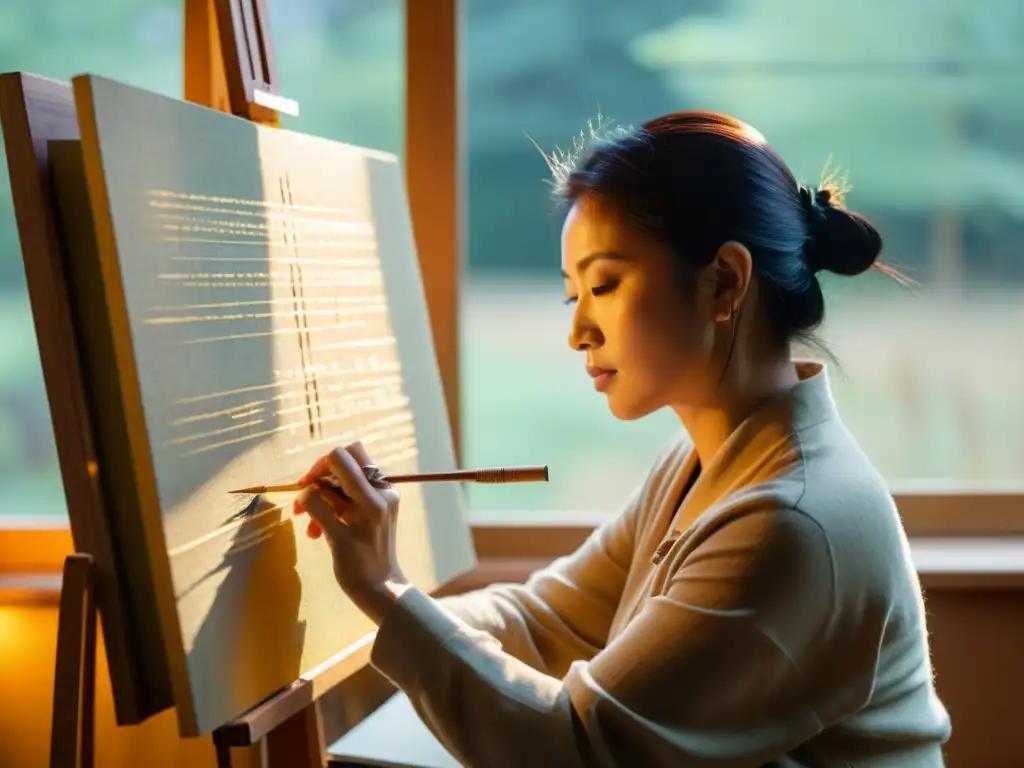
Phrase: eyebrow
(586, 261)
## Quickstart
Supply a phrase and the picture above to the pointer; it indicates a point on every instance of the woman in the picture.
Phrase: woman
(754, 602)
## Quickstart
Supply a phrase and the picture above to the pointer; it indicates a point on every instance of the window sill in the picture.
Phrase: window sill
(969, 562)
(959, 539)
(34, 545)
(942, 563)
(30, 589)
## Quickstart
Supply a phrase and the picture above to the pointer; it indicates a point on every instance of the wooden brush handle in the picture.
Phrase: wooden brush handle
(527, 474)
(512, 475)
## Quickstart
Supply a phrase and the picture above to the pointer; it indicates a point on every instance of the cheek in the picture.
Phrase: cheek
(666, 339)
(662, 356)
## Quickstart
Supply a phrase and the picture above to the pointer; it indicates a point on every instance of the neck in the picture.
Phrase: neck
(742, 389)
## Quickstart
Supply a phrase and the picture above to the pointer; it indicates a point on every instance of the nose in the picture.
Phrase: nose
(584, 333)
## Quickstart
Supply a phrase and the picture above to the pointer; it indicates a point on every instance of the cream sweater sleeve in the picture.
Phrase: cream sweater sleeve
(564, 611)
(717, 671)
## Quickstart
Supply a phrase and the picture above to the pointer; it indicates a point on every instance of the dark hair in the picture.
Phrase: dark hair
(696, 180)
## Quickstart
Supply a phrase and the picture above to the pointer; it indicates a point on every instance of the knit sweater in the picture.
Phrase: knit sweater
(762, 609)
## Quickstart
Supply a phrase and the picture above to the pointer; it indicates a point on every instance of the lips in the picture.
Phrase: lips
(603, 377)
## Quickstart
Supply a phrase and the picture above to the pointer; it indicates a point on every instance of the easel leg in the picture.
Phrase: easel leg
(72, 733)
(239, 757)
(297, 741)
(223, 755)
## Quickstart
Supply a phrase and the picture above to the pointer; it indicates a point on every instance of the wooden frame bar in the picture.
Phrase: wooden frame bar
(434, 176)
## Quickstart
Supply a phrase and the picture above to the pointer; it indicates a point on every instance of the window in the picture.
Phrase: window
(916, 102)
(137, 42)
(342, 62)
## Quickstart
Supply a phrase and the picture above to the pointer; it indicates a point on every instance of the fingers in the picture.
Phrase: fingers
(348, 470)
(318, 495)
(346, 467)
(358, 452)
(318, 470)
(342, 464)
(313, 529)
(323, 464)
(326, 510)
(341, 504)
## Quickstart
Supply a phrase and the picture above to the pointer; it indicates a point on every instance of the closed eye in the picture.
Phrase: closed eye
(599, 290)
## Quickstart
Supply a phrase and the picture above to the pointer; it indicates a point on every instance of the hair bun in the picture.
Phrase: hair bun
(839, 240)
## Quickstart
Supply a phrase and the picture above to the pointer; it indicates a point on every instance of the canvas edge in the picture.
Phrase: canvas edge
(147, 497)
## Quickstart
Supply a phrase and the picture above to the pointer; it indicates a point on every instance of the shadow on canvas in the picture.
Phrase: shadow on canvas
(251, 640)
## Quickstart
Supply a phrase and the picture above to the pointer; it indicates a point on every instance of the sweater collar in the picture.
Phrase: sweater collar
(762, 446)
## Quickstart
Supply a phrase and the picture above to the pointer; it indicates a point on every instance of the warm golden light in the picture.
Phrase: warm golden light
(11, 629)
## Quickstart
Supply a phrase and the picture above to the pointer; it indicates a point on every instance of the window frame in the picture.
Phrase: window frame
(435, 163)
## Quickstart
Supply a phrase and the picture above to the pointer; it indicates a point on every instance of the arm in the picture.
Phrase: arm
(563, 612)
(721, 670)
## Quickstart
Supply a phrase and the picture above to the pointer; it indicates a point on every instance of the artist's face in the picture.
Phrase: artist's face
(633, 317)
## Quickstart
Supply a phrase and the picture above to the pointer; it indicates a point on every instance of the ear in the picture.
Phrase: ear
(731, 271)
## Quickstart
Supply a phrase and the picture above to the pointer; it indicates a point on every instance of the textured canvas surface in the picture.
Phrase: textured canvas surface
(262, 297)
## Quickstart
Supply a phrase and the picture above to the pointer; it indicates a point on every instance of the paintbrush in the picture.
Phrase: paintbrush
(527, 474)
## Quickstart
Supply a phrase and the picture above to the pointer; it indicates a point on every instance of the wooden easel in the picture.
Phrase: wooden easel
(229, 66)
(229, 60)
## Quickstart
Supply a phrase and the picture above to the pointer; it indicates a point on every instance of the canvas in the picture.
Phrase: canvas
(248, 298)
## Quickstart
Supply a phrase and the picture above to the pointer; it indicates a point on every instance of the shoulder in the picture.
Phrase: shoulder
(832, 503)
(768, 542)
(845, 493)
(764, 565)
(826, 505)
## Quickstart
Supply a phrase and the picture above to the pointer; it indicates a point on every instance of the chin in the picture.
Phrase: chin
(629, 410)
